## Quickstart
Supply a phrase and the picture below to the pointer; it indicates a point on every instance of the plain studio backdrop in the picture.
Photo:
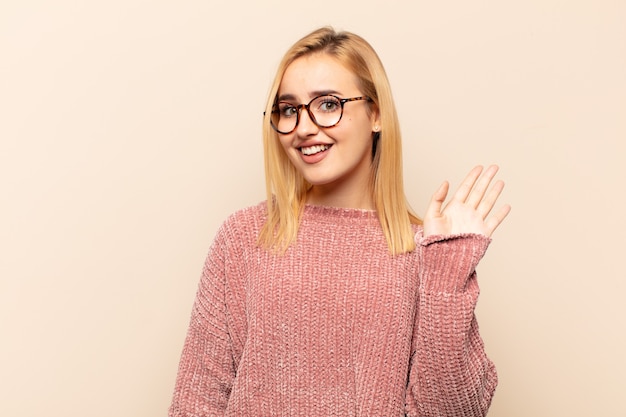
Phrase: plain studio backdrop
(130, 129)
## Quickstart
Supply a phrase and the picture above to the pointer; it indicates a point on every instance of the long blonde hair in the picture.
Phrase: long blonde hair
(285, 186)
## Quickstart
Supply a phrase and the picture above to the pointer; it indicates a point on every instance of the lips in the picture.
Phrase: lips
(314, 153)
(312, 150)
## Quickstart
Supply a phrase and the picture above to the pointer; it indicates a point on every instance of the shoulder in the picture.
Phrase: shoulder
(243, 222)
(248, 216)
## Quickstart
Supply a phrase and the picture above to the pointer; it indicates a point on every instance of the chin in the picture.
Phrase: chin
(318, 181)
(316, 178)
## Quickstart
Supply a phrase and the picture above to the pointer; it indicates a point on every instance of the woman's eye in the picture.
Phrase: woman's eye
(288, 111)
(329, 105)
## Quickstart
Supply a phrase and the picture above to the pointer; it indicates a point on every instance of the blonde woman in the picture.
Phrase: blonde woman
(332, 298)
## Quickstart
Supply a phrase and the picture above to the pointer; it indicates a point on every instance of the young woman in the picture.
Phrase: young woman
(332, 298)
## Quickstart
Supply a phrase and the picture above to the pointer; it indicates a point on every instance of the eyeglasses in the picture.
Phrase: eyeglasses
(324, 111)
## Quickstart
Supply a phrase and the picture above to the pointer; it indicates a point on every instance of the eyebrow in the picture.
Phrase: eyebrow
(291, 97)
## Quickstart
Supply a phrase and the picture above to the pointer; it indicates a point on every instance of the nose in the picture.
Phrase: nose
(306, 126)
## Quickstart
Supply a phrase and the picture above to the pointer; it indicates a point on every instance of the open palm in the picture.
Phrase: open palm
(468, 210)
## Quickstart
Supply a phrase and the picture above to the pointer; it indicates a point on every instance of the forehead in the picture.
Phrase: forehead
(311, 75)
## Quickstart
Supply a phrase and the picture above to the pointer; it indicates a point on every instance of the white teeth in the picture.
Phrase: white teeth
(314, 149)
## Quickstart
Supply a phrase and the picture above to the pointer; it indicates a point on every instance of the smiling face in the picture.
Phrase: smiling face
(336, 160)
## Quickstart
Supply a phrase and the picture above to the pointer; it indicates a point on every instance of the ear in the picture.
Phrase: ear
(375, 121)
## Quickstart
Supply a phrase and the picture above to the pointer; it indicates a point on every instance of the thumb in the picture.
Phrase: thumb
(436, 201)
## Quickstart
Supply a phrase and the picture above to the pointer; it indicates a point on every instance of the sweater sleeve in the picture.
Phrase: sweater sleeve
(450, 374)
(206, 371)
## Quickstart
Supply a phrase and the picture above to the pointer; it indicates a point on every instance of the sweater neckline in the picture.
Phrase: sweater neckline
(342, 212)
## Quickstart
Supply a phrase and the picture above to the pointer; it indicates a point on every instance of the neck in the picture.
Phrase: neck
(355, 197)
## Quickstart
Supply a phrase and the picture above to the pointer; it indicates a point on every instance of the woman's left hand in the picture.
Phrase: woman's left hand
(469, 208)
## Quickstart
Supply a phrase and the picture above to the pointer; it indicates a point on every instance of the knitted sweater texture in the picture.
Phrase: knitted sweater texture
(336, 326)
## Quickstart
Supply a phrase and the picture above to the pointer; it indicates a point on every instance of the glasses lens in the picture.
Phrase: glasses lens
(284, 117)
(326, 110)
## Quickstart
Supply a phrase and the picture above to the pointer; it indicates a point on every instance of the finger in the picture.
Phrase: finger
(494, 221)
(480, 188)
(487, 204)
(436, 201)
(468, 183)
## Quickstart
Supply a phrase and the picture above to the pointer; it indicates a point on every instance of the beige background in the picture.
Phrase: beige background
(130, 130)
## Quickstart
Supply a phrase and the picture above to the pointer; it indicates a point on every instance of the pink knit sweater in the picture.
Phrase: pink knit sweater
(336, 326)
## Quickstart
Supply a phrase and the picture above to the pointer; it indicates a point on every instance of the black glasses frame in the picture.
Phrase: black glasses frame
(299, 108)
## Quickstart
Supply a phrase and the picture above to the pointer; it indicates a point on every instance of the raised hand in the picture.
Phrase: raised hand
(468, 210)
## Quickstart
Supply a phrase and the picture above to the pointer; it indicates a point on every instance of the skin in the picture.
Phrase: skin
(341, 176)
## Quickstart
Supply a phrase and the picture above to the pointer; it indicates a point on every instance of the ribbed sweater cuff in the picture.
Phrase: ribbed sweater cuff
(447, 262)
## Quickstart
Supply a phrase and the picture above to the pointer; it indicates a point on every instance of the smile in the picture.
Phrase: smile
(312, 150)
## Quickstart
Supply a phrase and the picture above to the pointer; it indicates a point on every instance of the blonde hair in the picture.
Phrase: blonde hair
(285, 186)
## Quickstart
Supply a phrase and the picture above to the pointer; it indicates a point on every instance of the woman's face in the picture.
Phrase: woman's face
(333, 159)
